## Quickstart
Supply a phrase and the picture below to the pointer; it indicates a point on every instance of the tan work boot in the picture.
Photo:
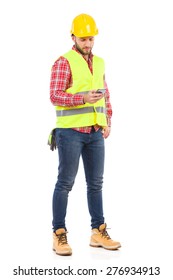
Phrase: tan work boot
(60, 244)
(100, 238)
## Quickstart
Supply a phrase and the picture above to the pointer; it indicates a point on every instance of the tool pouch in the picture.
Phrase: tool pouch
(52, 140)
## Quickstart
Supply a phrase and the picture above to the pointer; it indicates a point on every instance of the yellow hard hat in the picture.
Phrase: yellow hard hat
(84, 25)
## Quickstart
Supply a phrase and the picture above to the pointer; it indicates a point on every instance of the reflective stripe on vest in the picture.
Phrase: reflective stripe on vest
(78, 111)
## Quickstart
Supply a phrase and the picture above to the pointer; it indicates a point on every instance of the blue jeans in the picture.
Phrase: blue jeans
(71, 145)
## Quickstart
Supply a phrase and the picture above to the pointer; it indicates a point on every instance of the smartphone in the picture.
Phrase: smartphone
(101, 90)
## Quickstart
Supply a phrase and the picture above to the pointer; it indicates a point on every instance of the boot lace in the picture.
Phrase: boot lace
(105, 234)
(62, 238)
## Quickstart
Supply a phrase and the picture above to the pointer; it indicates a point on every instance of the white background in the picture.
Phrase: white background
(135, 39)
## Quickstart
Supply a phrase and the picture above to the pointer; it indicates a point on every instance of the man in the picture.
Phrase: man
(83, 122)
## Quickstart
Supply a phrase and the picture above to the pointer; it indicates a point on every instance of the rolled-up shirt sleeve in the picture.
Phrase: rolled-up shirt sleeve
(108, 105)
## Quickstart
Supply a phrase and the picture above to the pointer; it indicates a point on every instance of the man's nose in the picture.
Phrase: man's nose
(88, 43)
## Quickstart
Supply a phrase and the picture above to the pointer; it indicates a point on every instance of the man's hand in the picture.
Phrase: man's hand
(106, 131)
(92, 97)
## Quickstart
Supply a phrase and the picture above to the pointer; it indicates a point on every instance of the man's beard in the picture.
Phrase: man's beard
(81, 51)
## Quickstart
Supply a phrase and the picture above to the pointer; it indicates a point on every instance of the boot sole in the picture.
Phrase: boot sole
(105, 247)
(62, 253)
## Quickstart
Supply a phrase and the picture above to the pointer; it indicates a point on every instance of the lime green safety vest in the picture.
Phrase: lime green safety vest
(83, 81)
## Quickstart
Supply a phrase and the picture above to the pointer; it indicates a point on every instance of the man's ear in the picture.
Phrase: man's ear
(73, 37)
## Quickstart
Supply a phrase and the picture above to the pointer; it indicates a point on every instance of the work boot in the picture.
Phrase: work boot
(60, 244)
(100, 238)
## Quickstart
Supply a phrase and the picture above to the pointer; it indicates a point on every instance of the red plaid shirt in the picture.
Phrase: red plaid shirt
(61, 80)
